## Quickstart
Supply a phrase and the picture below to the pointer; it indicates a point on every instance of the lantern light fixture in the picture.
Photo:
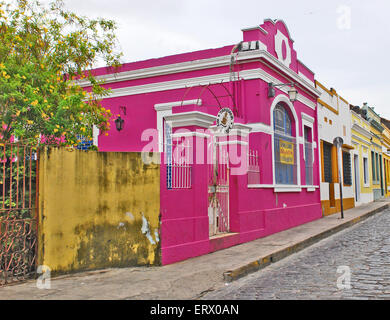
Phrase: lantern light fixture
(292, 93)
(119, 123)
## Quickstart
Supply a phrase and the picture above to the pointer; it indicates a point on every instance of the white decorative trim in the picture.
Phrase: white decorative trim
(274, 22)
(164, 110)
(95, 135)
(280, 38)
(226, 143)
(286, 100)
(287, 189)
(260, 127)
(170, 105)
(239, 129)
(261, 186)
(307, 118)
(190, 134)
(161, 70)
(281, 188)
(358, 128)
(311, 189)
(291, 73)
(191, 66)
(255, 28)
(300, 140)
(183, 83)
(353, 136)
(263, 75)
(192, 118)
(308, 121)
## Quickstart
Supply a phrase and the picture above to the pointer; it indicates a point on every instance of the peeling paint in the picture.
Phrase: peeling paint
(156, 235)
(130, 215)
(120, 211)
(146, 231)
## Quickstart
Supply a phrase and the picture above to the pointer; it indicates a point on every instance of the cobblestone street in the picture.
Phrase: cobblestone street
(313, 273)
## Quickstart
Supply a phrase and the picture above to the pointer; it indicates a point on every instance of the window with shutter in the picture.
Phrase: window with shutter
(347, 170)
(327, 161)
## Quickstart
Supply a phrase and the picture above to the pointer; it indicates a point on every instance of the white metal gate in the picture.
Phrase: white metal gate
(218, 190)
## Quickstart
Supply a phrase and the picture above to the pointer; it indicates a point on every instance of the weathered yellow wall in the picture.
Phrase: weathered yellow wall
(97, 210)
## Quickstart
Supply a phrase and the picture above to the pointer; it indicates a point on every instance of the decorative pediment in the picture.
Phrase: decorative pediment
(274, 37)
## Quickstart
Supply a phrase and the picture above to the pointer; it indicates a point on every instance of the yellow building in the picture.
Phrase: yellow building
(367, 137)
(362, 159)
(386, 154)
(376, 128)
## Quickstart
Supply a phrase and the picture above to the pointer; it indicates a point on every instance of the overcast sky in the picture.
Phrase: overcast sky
(352, 56)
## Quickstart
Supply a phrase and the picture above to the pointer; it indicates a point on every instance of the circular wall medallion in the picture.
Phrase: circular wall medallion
(225, 120)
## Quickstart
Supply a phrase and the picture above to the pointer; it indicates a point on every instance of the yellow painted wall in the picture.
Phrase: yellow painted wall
(97, 210)
(361, 144)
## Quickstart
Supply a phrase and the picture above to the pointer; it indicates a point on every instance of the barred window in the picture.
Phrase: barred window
(285, 148)
(327, 162)
(308, 157)
(347, 170)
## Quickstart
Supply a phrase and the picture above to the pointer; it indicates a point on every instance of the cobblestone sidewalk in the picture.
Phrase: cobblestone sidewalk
(312, 273)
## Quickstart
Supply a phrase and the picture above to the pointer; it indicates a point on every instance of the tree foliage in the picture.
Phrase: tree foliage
(43, 49)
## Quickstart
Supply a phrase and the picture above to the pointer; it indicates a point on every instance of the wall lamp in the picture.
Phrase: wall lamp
(292, 93)
(119, 123)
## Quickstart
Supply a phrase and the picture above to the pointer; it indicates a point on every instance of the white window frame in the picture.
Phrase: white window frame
(366, 171)
(281, 187)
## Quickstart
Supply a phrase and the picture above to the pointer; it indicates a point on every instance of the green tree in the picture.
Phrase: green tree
(43, 49)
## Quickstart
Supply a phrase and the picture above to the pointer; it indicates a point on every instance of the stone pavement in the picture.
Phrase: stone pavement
(193, 278)
(360, 254)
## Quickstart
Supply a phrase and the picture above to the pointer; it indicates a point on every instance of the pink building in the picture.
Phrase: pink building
(223, 189)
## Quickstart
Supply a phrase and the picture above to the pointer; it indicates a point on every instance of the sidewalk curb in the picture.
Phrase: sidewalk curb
(262, 262)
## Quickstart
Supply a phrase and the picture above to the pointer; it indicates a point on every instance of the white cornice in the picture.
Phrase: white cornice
(183, 83)
(201, 64)
(358, 128)
(255, 28)
(177, 135)
(227, 143)
(307, 117)
(260, 128)
(361, 140)
(192, 118)
(292, 74)
(261, 74)
(274, 22)
(170, 105)
(238, 129)
(161, 70)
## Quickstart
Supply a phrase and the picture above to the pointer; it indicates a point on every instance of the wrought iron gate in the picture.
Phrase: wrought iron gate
(18, 211)
(218, 190)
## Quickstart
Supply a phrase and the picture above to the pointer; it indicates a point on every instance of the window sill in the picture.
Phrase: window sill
(281, 189)
(277, 188)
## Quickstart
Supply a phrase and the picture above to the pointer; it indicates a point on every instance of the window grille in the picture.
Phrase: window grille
(309, 163)
(253, 167)
(179, 167)
(327, 162)
(85, 143)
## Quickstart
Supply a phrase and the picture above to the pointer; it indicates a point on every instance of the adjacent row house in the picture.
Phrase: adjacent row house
(275, 169)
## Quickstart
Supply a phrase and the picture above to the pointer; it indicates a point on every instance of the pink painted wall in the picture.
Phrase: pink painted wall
(254, 213)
